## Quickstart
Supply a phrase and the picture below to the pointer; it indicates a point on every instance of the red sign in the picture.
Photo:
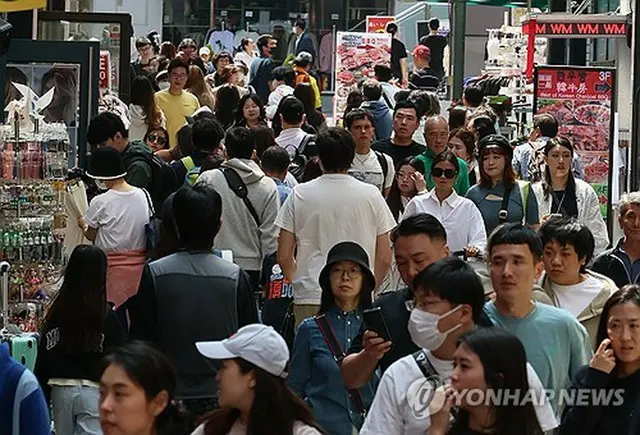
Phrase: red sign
(578, 30)
(105, 69)
(378, 24)
(572, 84)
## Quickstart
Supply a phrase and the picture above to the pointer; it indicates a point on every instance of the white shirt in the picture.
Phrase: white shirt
(120, 218)
(323, 212)
(367, 168)
(391, 414)
(238, 428)
(576, 298)
(459, 216)
(274, 99)
(246, 59)
(290, 139)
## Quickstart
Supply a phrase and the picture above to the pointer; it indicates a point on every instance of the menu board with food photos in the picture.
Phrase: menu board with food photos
(582, 100)
(356, 56)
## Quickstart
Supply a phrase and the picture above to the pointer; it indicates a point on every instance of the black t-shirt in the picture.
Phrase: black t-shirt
(277, 310)
(565, 204)
(398, 51)
(396, 315)
(437, 44)
(426, 79)
(397, 152)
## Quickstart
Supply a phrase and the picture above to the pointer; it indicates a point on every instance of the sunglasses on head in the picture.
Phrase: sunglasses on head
(160, 140)
(448, 173)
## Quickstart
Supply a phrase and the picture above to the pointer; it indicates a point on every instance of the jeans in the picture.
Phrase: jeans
(75, 410)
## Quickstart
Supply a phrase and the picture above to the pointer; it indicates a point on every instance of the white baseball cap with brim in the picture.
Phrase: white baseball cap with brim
(258, 344)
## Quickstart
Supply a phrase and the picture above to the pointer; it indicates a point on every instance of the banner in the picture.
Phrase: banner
(581, 99)
(21, 5)
(377, 23)
(356, 55)
(105, 70)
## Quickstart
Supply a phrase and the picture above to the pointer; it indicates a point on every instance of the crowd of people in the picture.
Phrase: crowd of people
(255, 271)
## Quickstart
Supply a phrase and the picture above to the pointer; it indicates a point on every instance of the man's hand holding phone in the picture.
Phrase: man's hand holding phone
(374, 345)
(604, 358)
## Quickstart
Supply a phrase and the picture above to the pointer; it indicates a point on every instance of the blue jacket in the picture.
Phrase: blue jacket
(23, 410)
(261, 70)
(382, 116)
(306, 44)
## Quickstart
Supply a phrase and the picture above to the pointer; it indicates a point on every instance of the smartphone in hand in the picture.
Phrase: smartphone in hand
(374, 321)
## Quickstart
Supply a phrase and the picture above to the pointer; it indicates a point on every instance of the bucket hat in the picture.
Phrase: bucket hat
(347, 251)
(106, 164)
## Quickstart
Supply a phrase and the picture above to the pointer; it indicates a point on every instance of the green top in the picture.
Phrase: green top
(462, 181)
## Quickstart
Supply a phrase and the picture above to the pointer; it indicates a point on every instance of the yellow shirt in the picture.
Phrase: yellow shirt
(176, 108)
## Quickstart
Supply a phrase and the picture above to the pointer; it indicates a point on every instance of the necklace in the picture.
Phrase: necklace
(361, 160)
(564, 194)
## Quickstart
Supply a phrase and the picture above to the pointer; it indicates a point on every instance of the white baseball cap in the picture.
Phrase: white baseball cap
(258, 344)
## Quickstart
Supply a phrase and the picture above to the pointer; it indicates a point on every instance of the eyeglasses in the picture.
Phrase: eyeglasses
(160, 140)
(351, 273)
(179, 76)
(448, 173)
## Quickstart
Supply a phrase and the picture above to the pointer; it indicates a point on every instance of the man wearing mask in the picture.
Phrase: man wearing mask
(405, 124)
(262, 67)
(436, 134)
(304, 42)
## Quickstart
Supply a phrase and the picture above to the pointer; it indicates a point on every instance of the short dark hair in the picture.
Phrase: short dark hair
(446, 156)
(292, 110)
(103, 127)
(263, 41)
(300, 23)
(143, 41)
(569, 232)
(275, 159)
(336, 149)
(516, 234)
(453, 280)
(383, 72)
(222, 55)
(457, 117)
(421, 223)
(402, 95)
(206, 134)
(197, 211)
(484, 126)
(474, 95)
(357, 115)
(239, 143)
(405, 104)
(434, 24)
(284, 74)
(372, 90)
(177, 63)
(547, 124)
(391, 27)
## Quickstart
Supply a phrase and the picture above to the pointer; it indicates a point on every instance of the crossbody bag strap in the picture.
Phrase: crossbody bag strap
(503, 214)
(338, 355)
(152, 211)
(236, 184)
(427, 369)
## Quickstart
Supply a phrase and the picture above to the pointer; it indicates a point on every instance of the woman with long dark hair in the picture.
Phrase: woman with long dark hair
(347, 283)
(145, 113)
(498, 195)
(614, 371)
(559, 193)
(408, 183)
(315, 118)
(137, 387)
(488, 362)
(227, 100)
(78, 329)
(252, 393)
(251, 112)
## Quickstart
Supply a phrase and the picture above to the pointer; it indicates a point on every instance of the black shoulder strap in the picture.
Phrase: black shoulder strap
(152, 211)
(427, 369)
(304, 143)
(503, 213)
(338, 355)
(386, 100)
(236, 184)
(384, 165)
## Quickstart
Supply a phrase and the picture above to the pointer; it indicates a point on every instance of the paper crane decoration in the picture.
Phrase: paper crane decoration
(29, 107)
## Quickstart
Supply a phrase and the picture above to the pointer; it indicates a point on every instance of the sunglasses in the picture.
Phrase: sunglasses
(160, 140)
(439, 172)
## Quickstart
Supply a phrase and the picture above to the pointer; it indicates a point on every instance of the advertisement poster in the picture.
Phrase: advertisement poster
(105, 70)
(581, 99)
(377, 23)
(356, 55)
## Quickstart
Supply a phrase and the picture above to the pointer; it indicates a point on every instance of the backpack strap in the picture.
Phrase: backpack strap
(236, 184)
(387, 100)
(525, 188)
(503, 214)
(304, 143)
(188, 163)
(427, 369)
(382, 160)
(338, 355)
(152, 211)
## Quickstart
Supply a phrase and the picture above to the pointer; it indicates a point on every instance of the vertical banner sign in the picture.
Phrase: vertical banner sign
(377, 23)
(105, 70)
(356, 55)
(582, 100)
(21, 5)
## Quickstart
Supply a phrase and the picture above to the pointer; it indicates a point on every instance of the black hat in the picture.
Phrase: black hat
(496, 141)
(106, 164)
(347, 251)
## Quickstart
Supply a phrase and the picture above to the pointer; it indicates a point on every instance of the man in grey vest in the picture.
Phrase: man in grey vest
(192, 296)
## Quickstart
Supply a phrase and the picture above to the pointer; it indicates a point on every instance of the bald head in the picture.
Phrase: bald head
(436, 133)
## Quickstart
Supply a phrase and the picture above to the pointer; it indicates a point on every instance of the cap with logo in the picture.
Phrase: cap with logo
(258, 344)
(204, 50)
(421, 51)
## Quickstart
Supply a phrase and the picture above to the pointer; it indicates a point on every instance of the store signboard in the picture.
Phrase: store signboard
(578, 26)
(356, 55)
(21, 5)
(582, 100)
(105, 70)
(377, 23)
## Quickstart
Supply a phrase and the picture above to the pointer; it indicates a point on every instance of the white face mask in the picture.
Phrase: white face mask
(423, 328)
(163, 86)
(101, 185)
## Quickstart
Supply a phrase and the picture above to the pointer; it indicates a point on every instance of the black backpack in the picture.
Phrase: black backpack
(163, 183)
(305, 151)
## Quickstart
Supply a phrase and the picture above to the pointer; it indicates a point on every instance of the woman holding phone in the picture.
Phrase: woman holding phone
(321, 341)
(614, 369)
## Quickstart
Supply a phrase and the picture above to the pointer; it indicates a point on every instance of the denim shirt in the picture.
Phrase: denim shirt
(315, 376)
